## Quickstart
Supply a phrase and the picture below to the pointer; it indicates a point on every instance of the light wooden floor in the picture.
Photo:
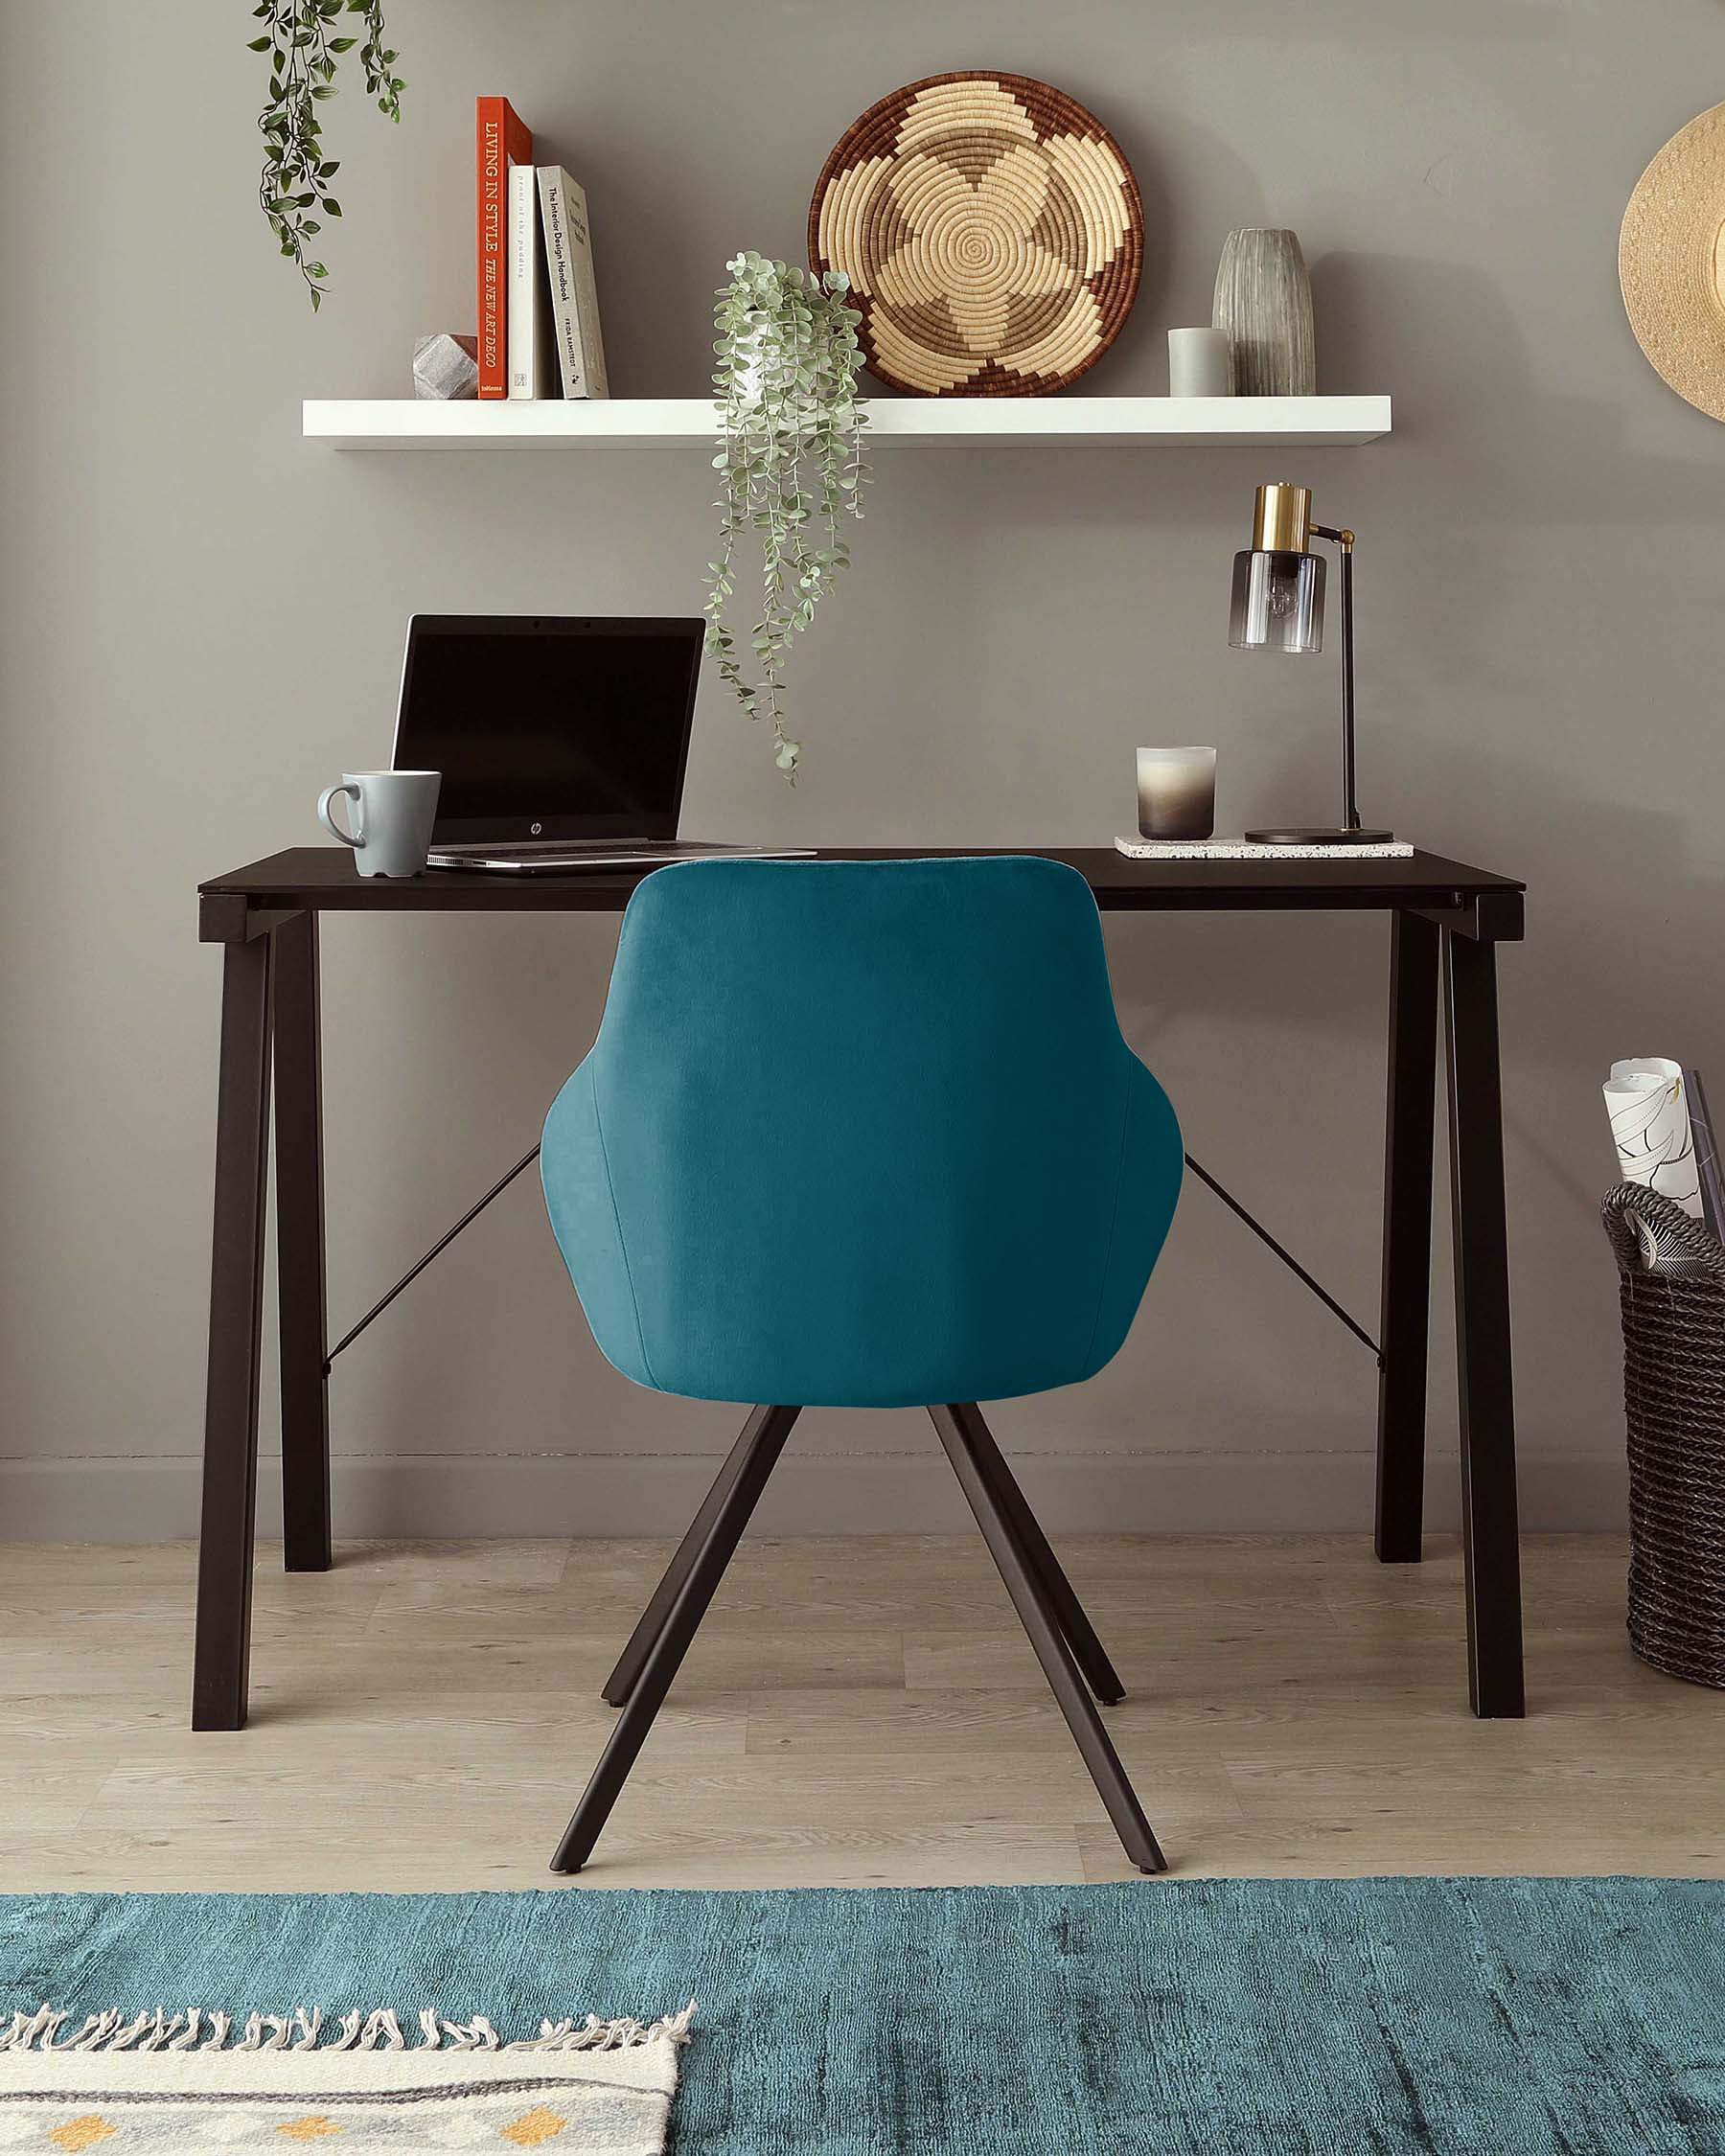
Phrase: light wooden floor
(857, 1712)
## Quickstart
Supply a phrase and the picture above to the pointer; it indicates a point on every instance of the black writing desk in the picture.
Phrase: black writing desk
(1446, 922)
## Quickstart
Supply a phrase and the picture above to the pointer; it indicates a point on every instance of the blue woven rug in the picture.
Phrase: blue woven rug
(1510, 2017)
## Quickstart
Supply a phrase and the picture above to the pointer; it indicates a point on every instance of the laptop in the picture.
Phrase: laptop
(562, 740)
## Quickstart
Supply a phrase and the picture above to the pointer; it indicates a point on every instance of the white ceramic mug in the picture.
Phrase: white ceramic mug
(392, 812)
(1200, 363)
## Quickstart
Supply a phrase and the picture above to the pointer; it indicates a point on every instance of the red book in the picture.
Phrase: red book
(502, 142)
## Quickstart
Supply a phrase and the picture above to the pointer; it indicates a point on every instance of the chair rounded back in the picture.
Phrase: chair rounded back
(861, 1134)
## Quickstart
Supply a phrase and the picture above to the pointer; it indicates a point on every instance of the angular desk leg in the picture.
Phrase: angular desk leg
(1407, 1272)
(300, 1249)
(1490, 1539)
(230, 1471)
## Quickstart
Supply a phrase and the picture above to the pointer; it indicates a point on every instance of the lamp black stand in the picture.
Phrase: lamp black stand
(1350, 832)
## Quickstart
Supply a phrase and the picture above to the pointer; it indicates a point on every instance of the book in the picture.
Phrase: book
(532, 349)
(503, 141)
(573, 294)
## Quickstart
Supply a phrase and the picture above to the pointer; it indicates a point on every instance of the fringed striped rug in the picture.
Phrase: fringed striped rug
(191, 2084)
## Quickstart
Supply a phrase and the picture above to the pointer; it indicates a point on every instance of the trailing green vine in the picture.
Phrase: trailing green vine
(793, 461)
(296, 175)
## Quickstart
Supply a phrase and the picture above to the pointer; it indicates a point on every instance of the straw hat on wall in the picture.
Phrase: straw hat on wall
(1672, 263)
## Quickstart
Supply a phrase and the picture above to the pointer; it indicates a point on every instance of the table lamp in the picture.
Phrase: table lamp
(1279, 606)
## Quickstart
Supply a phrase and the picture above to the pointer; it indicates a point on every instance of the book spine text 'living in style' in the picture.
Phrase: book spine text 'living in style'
(503, 141)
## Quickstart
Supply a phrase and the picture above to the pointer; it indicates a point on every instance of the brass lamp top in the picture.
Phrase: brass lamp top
(1281, 523)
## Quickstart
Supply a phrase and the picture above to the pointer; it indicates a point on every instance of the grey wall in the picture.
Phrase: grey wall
(204, 621)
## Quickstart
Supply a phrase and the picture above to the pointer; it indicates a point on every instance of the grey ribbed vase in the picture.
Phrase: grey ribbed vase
(1264, 306)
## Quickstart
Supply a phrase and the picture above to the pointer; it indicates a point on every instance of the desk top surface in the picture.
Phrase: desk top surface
(323, 879)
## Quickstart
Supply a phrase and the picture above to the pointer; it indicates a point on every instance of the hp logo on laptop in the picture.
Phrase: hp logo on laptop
(536, 828)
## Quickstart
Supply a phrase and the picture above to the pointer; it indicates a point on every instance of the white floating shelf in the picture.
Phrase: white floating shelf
(931, 423)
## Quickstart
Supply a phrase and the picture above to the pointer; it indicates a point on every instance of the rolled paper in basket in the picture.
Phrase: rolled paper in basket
(1648, 1105)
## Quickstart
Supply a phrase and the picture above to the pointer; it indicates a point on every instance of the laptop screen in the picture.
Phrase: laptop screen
(549, 726)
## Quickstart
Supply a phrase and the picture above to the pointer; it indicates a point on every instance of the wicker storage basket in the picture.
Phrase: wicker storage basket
(1671, 1277)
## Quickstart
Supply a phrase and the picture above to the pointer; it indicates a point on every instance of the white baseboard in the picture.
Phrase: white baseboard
(854, 1493)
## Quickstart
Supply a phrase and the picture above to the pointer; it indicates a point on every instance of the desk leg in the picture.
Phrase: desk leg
(300, 1249)
(1407, 1270)
(230, 1471)
(1490, 1541)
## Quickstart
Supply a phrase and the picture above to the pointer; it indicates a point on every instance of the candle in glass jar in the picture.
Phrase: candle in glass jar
(1176, 793)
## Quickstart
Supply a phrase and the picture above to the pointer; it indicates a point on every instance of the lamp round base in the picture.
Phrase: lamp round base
(1319, 837)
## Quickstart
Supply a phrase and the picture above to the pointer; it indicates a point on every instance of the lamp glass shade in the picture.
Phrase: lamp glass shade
(1278, 602)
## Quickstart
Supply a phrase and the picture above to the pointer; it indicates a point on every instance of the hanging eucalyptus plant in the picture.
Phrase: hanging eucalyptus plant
(792, 458)
(296, 175)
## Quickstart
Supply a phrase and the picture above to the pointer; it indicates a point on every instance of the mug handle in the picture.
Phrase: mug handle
(335, 829)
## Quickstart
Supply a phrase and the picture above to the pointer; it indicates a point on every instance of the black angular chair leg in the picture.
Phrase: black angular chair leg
(622, 1680)
(1041, 1620)
(766, 1433)
(1088, 1651)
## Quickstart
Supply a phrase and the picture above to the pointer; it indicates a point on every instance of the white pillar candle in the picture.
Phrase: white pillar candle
(1200, 363)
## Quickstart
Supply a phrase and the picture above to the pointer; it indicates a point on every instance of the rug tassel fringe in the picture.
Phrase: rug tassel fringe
(300, 2031)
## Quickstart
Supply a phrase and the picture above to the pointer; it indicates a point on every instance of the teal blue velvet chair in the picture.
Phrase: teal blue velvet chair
(862, 1134)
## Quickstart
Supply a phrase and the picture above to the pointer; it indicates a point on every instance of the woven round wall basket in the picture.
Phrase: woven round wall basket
(1672, 263)
(992, 232)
